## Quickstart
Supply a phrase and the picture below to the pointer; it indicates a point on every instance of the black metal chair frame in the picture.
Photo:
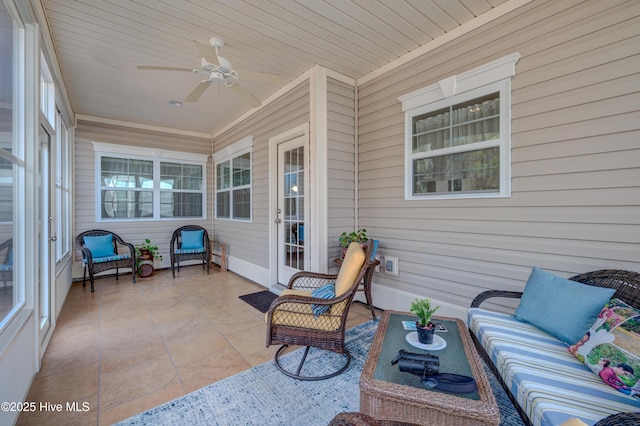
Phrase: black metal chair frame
(176, 244)
(627, 285)
(95, 268)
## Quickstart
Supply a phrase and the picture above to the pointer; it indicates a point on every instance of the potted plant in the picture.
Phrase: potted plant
(145, 254)
(346, 238)
(425, 328)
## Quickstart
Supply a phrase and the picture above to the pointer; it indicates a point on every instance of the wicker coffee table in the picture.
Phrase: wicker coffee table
(388, 394)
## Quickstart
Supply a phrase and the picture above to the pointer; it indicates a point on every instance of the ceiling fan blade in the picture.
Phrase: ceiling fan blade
(197, 91)
(259, 76)
(155, 68)
(207, 52)
(245, 94)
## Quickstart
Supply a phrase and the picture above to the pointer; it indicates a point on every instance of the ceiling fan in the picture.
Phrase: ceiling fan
(220, 70)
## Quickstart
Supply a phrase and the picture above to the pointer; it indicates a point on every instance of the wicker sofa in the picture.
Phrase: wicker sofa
(545, 382)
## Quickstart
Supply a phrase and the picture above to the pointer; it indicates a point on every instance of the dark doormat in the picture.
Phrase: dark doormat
(260, 300)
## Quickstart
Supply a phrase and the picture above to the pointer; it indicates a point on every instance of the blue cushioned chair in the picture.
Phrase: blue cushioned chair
(100, 253)
(6, 269)
(190, 242)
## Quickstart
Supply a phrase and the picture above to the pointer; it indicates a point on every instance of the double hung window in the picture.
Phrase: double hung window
(233, 181)
(458, 135)
(159, 185)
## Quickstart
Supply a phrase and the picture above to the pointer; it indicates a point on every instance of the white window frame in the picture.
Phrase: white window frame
(484, 80)
(47, 92)
(24, 112)
(228, 154)
(63, 189)
(156, 156)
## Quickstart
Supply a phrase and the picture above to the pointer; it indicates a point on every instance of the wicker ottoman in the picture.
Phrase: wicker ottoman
(386, 394)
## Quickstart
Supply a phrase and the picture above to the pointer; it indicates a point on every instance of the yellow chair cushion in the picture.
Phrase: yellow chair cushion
(301, 314)
(574, 422)
(351, 265)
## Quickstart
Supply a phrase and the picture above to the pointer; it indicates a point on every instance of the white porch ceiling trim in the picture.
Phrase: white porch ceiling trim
(463, 29)
(82, 117)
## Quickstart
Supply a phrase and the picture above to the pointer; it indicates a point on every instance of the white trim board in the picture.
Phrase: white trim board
(463, 29)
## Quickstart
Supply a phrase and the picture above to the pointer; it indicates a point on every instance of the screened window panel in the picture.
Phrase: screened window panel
(466, 123)
(180, 204)
(223, 204)
(223, 175)
(242, 170)
(119, 204)
(126, 173)
(180, 176)
(242, 204)
(470, 171)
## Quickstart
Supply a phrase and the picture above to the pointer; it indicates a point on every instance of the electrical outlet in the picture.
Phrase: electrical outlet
(391, 265)
(378, 258)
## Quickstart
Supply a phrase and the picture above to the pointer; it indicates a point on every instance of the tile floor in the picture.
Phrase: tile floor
(129, 347)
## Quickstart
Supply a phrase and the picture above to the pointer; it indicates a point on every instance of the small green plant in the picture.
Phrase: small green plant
(359, 236)
(152, 249)
(422, 308)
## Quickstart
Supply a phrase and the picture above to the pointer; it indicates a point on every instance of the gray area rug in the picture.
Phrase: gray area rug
(265, 396)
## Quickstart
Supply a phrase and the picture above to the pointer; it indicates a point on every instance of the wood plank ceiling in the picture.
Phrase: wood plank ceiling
(99, 43)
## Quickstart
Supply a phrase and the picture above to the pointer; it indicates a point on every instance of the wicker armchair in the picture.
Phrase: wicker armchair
(627, 285)
(291, 319)
(6, 269)
(96, 264)
(201, 250)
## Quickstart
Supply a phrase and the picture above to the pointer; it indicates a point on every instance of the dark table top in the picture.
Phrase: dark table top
(452, 358)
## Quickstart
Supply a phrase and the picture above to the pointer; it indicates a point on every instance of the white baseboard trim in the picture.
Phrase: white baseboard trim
(249, 271)
(383, 297)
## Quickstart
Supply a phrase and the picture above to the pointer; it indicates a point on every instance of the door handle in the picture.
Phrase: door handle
(54, 238)
(278, 220)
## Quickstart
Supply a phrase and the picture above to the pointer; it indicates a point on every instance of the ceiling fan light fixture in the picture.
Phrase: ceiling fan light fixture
(220, 70)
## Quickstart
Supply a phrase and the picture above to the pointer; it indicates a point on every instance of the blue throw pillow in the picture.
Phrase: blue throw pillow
(374, 250)
(100, 246)
(561, 307)
(325, 292)
(192, 239)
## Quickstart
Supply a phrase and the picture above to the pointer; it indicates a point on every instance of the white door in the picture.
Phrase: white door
(46, 237)
(292, 231)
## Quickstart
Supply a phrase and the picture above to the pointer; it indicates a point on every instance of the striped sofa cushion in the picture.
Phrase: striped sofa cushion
(109, 258)
(549, 383)
(190, 251)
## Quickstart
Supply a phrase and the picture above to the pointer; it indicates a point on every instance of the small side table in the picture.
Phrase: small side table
(366, 282)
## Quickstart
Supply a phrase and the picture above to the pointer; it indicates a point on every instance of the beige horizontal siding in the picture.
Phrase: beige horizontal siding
(250, 241)
(575, 203)
(158, 231)
(341, 188)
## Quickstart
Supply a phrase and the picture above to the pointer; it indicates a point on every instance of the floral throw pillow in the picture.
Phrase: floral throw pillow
(611, 347)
